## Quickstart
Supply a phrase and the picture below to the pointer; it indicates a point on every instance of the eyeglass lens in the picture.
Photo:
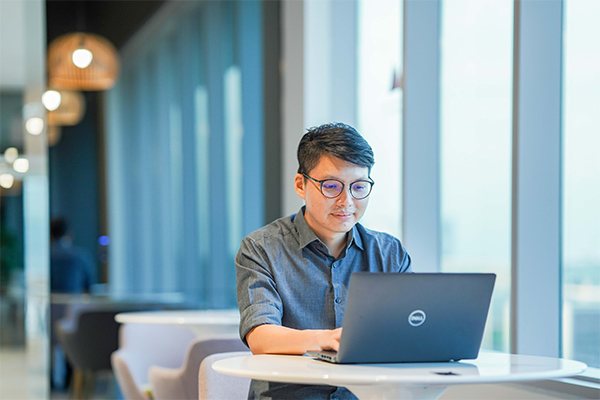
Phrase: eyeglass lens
(359, 189)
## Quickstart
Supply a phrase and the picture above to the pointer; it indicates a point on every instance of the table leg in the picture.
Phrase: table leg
(395, 392)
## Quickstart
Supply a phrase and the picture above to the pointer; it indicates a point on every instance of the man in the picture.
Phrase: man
(71, 271)
(71, 268)
(293, 274)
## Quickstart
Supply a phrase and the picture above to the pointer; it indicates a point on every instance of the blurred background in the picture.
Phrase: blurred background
(178, 138)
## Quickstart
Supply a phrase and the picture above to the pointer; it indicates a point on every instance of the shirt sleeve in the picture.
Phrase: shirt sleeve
(406, 264)
(257, 296)
(406, 261)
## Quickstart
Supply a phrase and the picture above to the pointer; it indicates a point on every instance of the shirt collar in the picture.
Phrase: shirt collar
(355, 237)
(307, 236)
(305, 233)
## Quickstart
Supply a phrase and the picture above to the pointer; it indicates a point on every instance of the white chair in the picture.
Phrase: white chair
(215, 386)
(143, 345)
(182, 383)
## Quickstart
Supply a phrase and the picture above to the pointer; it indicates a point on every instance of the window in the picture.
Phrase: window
(178, 146)
(475, 148)
(379, 107)
(581, 183)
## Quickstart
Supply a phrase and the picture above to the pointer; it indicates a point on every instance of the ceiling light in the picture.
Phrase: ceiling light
(70, 111)
(6, 180)
(82, 58)
(35, 125)
(21, 165)
(11, 154)
(82, 61)
(51, 100)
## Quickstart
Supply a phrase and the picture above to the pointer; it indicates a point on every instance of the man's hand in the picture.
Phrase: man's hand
(275, 339)
(329, 339)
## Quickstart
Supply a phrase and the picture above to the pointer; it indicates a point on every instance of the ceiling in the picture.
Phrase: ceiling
(117, 20)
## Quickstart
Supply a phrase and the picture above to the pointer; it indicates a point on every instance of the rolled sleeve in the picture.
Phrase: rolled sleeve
(257, 296)
(406, 262)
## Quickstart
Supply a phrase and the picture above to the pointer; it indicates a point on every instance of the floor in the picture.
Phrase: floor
(17, 384)
(13, 374)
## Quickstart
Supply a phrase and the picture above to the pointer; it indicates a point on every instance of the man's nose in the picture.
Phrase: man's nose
(345, 198)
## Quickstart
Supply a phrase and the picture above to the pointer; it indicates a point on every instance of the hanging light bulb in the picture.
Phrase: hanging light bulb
(82, 58)
(51, 100)
(35, 125)
(11, 154)
(70, 111)
(6, 180)
(21, 165)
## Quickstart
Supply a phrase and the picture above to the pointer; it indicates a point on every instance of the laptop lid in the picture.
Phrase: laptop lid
(416, 317)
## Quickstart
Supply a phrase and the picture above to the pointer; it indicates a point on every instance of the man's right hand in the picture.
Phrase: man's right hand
(329, 339)
(275, 339)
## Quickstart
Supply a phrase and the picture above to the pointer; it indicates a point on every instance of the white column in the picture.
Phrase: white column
(36, 205)
(421, 175)
(292, 88)
(536, 178)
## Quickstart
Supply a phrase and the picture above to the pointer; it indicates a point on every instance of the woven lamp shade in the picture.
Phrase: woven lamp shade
(70, 111)
(53, 136)
(102, 72)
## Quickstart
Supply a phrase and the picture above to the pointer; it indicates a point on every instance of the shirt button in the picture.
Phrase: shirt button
(338, 300)
(335, 265)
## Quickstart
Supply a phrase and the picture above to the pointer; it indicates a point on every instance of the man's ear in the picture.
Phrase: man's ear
(299, 185)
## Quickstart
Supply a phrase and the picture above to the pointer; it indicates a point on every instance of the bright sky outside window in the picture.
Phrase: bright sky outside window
(475, 148)
(581, 182)
(379, 107)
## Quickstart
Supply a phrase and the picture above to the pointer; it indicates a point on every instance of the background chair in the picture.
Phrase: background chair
(89, 335)
(182, 383)
(215, 386)
(143, 345)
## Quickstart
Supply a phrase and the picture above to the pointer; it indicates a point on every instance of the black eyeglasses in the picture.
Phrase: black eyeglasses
(332, 188)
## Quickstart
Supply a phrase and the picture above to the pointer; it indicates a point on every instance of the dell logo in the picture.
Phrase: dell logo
(417, 318)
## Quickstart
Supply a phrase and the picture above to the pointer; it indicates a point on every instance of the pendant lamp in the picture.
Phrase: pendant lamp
(82, 61)
(53, 136)
(70, 109)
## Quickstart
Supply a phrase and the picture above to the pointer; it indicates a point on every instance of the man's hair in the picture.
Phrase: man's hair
(336, 139)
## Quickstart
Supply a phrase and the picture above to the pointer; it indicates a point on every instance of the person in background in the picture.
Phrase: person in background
(71, 268)
(71, 272)
(293, 274)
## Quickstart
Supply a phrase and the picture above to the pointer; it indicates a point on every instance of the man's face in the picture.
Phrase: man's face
(330, 217)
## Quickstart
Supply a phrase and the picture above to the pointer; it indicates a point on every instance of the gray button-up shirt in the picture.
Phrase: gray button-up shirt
(286, 276)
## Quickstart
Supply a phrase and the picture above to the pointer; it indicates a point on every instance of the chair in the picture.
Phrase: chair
(182, 383)
(143, 345)
(89, 335)
(215, 386)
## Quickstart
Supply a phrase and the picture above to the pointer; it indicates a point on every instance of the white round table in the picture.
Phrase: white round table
(399, 381)
(203, 323)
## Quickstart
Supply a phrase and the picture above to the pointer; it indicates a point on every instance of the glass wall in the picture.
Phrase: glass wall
(475, 148)
(178, 144)
(581, 182)
(379, 107)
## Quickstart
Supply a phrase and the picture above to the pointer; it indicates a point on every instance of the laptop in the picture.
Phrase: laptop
(420, 317)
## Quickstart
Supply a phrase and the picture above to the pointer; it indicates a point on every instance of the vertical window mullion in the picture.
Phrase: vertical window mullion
(536, 178)
(421, 177)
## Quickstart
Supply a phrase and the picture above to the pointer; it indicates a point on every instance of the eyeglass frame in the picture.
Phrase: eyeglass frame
(371, 181)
